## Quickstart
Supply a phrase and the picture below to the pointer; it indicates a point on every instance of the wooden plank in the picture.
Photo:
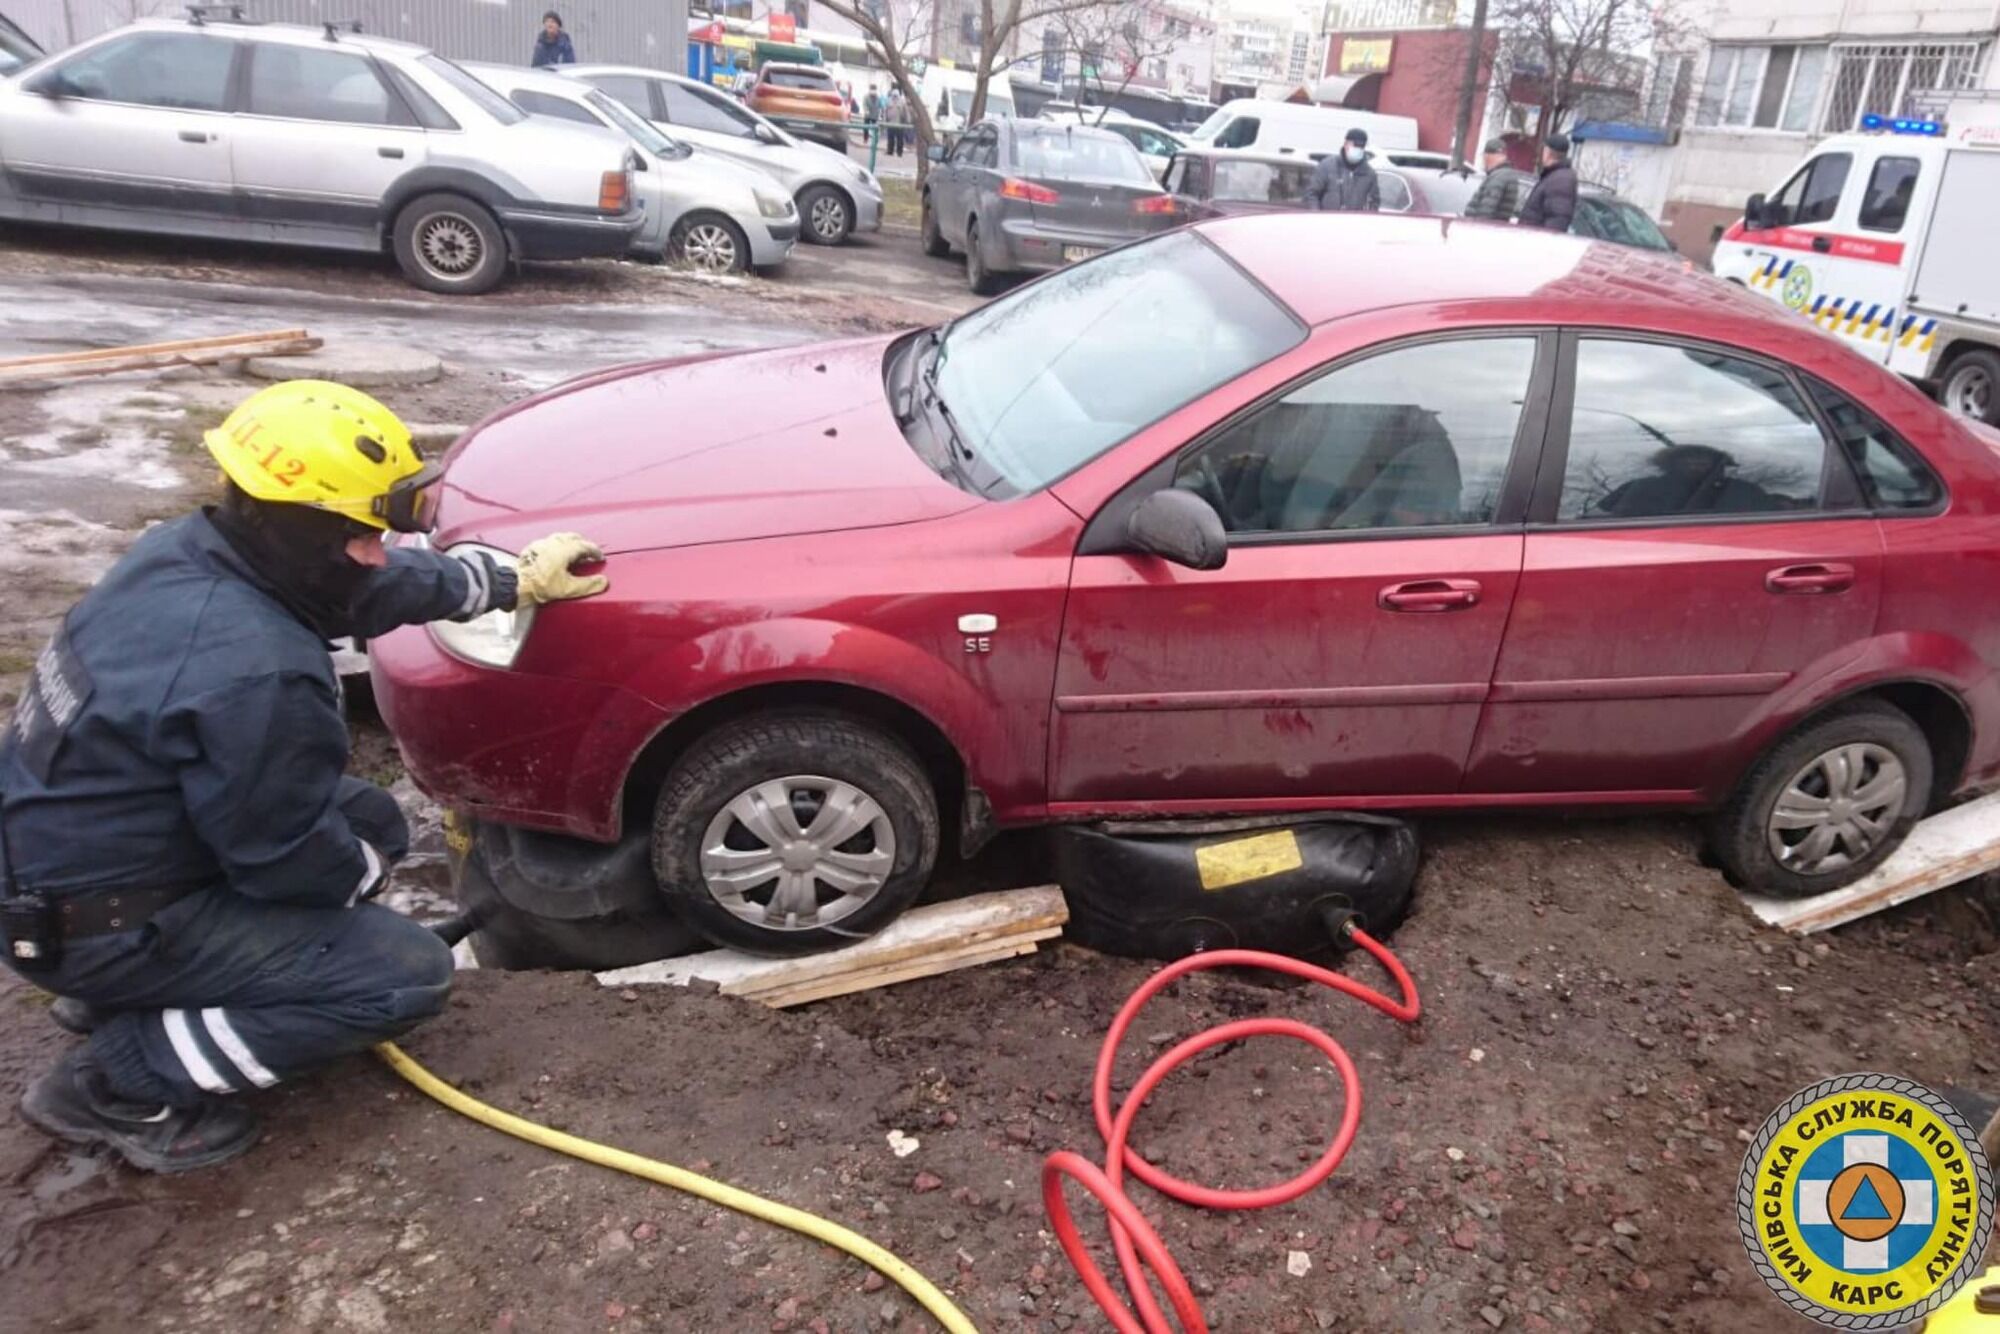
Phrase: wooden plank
(146, 349)
(1949, 847)
(137, 361)
(931, 929)
(909, 972)
(859, 979)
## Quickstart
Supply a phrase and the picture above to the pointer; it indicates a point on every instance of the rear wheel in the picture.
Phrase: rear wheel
(1971, 386)
(934, 243)
(828, 214)
(794, 833)
(1826, 805)
(982, 280)
(448, 243)
(709, 242)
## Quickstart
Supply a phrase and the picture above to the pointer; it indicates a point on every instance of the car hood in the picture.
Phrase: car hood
(711, 168)
(716, 449)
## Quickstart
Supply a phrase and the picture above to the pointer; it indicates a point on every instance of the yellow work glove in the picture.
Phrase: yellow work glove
(543, 573)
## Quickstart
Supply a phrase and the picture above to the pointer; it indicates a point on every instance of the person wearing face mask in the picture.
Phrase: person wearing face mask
(1345, 183)
(184, 861)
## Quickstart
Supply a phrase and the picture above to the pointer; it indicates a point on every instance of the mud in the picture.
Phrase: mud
(1553, 1146)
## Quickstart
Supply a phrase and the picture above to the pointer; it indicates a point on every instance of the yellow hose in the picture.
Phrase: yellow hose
(729, 1197)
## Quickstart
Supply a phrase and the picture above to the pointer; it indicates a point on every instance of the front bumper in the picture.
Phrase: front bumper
(545, 752)
(542, 234)
(867, 210)
(771, 242)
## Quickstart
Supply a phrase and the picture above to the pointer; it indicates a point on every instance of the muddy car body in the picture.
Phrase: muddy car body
(1493, 518)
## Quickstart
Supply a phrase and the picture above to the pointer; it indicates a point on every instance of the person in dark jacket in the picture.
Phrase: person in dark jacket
(1345, 182)
(183, 859)
(552, 44)
(1499, 195)
(1552, 203)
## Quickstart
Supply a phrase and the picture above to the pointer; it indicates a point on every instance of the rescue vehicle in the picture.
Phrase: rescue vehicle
(1885, 238)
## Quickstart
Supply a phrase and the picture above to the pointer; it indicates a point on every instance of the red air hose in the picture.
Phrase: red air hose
(1131, 1235)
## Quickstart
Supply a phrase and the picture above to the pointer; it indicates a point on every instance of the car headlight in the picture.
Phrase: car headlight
(492, 640)
(774, 205)
(868, 182)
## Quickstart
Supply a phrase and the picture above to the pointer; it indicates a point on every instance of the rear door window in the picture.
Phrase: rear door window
(548, 104)
(1886, 202)
(305, 83)
(1663, 431)
(183, 71)
(634, 91)
(694, 109)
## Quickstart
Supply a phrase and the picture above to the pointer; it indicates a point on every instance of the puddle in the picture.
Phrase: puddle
(73, 1169)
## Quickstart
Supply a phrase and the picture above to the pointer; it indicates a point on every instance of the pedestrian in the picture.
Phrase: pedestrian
(1345, 182)
(1499, 196)
(552, 44)
(871, 115)
(1552, 203)
(184, 861)
(899, 125)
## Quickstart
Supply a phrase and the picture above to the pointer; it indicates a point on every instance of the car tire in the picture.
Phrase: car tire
(934, 243)
(1971, 386)
(719, 796)
(448, 243)
(826, 215)
(982, 280)
(1863, 753)
(709, 242)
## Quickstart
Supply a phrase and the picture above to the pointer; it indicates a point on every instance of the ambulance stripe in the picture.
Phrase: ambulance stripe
(192, 1058)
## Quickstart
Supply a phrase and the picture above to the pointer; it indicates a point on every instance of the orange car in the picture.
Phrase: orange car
(803, 100)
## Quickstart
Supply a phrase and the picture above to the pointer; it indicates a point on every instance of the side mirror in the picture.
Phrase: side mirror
(54, 85)
(1179, 526)
(935, 153)
(766, 135)
(1753, 213)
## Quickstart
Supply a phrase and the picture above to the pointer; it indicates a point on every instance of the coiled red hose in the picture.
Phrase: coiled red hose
(1139, 1247)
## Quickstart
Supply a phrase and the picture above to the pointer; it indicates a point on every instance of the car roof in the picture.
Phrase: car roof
(524, 78)
(289, 34)
(1050, 128)
(638, 71)
(1373, 261)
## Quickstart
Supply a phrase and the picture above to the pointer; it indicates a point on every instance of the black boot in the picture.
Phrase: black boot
(75, 1016)
(73, 1103)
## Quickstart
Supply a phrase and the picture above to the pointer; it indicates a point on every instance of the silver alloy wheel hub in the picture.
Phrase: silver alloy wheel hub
(1837, 808)
(708, 246)
(829, 216)
(449, 245)
(796, 853)
(1970, 393)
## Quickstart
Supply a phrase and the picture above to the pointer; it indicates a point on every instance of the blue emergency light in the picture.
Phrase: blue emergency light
(1901, 125)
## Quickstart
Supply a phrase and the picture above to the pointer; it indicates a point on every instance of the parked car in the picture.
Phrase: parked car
(1219, 182)
(701, 209)
(948, 97)
(17, 49)
(801, 99)
(1020, 196)
(1603, 216)
(307, 136)
(1473, 518)
(835, 197)
(1155, 144)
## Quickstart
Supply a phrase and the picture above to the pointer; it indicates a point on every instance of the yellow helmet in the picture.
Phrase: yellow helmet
(313, 442)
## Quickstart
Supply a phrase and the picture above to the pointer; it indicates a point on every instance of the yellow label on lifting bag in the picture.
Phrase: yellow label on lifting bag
(1241, 860)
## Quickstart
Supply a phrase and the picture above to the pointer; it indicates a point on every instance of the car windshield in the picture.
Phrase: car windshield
(473, 91)
(1043, 380)
(1616, 220)
(1066, 153)
(642, 131)
(1209, 128)
(15, 49)
(1259, 182)
(961, 103)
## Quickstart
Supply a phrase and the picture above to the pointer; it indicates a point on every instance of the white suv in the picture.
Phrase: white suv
(307, 136)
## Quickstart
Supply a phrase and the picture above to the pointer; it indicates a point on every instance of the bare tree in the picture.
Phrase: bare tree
(899, 32)
(1001, 23)
(1591, 57)
(1121, 37)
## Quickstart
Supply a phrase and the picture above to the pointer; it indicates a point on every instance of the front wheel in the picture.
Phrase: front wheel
(709, 242)
(934, 243)
(447, 243)
(794, 833)
(827, 213)
(1826, 805)
(1971, 386)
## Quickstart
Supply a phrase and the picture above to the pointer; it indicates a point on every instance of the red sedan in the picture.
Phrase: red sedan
(1281, 513)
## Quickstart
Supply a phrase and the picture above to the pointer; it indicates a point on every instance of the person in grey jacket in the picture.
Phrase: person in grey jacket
(1552, 203)
(1345, 183)
(1500, 195)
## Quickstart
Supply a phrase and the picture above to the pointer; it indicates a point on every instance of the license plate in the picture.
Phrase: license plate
(1073, 253)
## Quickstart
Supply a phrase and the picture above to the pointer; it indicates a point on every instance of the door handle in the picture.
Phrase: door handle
(194, 136)
(1430, 595)
(1823, 244)
(1832, 577)
(389, 152)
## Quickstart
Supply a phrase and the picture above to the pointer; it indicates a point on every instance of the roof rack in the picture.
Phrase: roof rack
(198, 14)
(334, 27)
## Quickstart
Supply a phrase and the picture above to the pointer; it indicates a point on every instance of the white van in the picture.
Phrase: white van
(951, 89)
(1885, 239)
(1297, 127)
